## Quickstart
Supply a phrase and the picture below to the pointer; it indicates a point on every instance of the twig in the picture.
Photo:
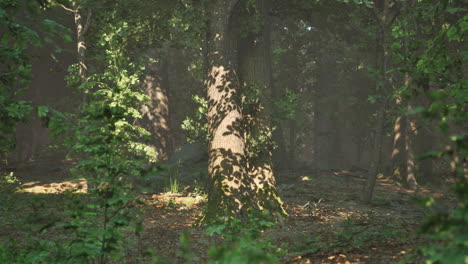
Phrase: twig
(68, 9)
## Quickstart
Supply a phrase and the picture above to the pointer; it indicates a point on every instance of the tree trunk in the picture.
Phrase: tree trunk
(256, 74)
(375, 161)
(410, 133)
(410, 129)
(231, 191)
(81, 29)
(398, 150)
(156, 112)
(382, 15)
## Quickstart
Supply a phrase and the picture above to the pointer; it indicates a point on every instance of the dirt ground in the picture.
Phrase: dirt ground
(326, 222)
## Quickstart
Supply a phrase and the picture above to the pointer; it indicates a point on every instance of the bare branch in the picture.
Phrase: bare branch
(68, 9)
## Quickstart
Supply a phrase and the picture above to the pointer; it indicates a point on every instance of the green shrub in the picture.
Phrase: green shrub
(242, 241)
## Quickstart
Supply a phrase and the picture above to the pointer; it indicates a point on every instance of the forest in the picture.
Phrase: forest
(233, 131)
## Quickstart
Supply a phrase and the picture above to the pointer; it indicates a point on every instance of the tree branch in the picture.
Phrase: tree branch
(68, 9)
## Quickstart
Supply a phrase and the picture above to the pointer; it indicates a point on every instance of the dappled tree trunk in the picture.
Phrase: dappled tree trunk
(156, 112)
(82, 26)
(231, 191)
(255, 74)
(238, 185)
(410, 133)
(403, 157)
(398, 150)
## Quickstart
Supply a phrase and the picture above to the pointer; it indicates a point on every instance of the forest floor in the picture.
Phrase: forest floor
(326, 222)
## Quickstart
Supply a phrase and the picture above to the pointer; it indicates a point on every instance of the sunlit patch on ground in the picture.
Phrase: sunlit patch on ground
(78, 185)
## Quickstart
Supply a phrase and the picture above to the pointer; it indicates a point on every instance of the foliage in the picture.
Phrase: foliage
(9, 184)
(16, 40)
(434, 64)
(15, 77)
(242, 241)
(107, 142)
(34, 251)
(426, 43)
(256, 118)
(286, 108)
(197, 126)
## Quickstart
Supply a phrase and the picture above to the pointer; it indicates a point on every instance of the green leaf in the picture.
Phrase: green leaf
(437, 95)
(215, 229)
(432, 154)
(452, 34)
(457, 137)
(66, 38)
(42, 111)
(453, 10)
(415, 110)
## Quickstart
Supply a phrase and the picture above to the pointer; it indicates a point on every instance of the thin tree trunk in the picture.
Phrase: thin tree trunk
(410, 133)
(398, 151)
(82, 27)
(382, 15)
(376, 150)
(410, 129)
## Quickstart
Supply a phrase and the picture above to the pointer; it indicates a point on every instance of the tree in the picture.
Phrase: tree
(82, 26)
(234, 190)
(230, 192)
(255, 75)
(156, 111)
(384, 16)
(435, 67)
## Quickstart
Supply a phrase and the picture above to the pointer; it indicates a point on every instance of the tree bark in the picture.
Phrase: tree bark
(231, 190)
(238, 185)
(256, 74)
(410, 129)
(82, 27)
(410, 133)
(398, 150)
(375, 161)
